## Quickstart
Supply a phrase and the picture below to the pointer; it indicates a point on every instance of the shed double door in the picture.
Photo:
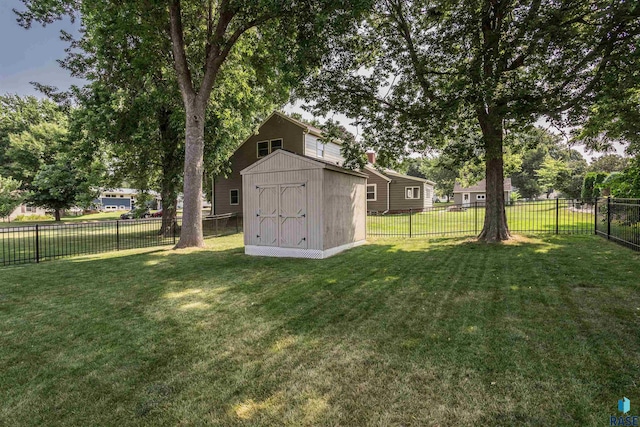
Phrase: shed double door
(282, 215)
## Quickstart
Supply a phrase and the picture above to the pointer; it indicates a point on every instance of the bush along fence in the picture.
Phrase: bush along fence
(553, 216)
(619, 220)
(36, 243)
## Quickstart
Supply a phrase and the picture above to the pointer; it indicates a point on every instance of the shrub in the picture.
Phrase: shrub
(591, 185)
(33, 218)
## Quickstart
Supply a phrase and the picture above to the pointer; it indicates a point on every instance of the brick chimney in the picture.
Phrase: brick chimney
(371, 155)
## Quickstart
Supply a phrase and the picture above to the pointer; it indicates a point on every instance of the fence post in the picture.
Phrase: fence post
(476, 217)
(608, 218)
(117, 234)
(174, 225)
(410, 218)
(595, 216)
(37, 244)
(557, 213)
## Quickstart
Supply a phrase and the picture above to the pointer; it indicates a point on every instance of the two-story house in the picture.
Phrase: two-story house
(277, 132)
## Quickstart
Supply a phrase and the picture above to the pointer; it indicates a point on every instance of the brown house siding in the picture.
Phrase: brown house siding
(380, 204)
(397, 200)
(275, 128)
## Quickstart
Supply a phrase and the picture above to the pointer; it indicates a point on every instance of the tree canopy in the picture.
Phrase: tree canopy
(457, 74)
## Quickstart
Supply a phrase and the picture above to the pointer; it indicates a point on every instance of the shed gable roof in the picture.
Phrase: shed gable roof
(296, 161)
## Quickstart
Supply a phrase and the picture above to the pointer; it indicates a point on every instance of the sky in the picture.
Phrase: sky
(31, 55)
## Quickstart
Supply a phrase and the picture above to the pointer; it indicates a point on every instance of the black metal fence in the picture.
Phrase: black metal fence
(619, 220)
(553, 216)
(41, 242)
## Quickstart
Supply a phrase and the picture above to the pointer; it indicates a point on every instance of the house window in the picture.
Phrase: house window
(234, 197)
(372, 190)
(320, 151)
(276, 144)
(466, 197)
(267, 147)
(263, 148)
(30, 209)
(412, 192)
(481, 197)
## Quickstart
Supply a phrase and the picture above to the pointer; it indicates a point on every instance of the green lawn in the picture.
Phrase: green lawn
(101, 216)
(534, 217)
(397, 332)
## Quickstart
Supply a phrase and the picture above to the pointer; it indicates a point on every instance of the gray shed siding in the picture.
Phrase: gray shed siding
(275, 128)
(345, 211)
(334, 208)
(313, 181)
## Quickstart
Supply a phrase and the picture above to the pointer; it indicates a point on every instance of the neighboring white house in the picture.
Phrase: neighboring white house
(120, 199)
(476, 194)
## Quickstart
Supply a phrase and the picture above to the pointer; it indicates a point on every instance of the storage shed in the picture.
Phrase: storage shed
(298, 206)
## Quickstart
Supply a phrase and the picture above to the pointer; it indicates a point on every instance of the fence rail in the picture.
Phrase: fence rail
(553, 216)
(619, 220)
(41, 242)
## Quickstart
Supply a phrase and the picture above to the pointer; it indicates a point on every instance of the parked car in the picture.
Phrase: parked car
(157, 214)
(135, 213)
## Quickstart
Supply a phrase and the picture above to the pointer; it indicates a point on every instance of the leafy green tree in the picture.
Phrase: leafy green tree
(10, 195)
(563, 174)
(19, 114)
(59, 186)
(609, 163)
(625, 184)
(550, 172)
(591, 185)
(462, 72)
(44, 158)
(202, 37)
(442, 172)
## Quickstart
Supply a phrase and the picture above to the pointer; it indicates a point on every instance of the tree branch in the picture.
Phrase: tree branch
(179, 55)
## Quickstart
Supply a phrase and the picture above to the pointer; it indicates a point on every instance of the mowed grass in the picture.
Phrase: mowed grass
(539, 331)
(533, 217)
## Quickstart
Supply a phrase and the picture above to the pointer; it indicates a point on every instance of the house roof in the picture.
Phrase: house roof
(370, 168)
(311, 129)
(480, 186)
(384, 172)
(401, 175)
(318, 163)
(127, 191)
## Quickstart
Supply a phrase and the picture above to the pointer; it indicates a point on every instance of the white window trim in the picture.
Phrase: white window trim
(411, 198)
(319, 144)
(481, 197)
(276, 139)
(269, 147)
(258, 149)
(375, 192)
(231, 191)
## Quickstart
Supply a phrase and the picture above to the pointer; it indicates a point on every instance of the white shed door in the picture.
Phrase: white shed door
(293, 216)
(267, 215)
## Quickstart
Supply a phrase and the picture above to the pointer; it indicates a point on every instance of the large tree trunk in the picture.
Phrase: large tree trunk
(191, 231)
(495, 220)
(56, 214)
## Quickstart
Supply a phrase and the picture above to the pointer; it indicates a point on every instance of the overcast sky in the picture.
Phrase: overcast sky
(30, 55)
